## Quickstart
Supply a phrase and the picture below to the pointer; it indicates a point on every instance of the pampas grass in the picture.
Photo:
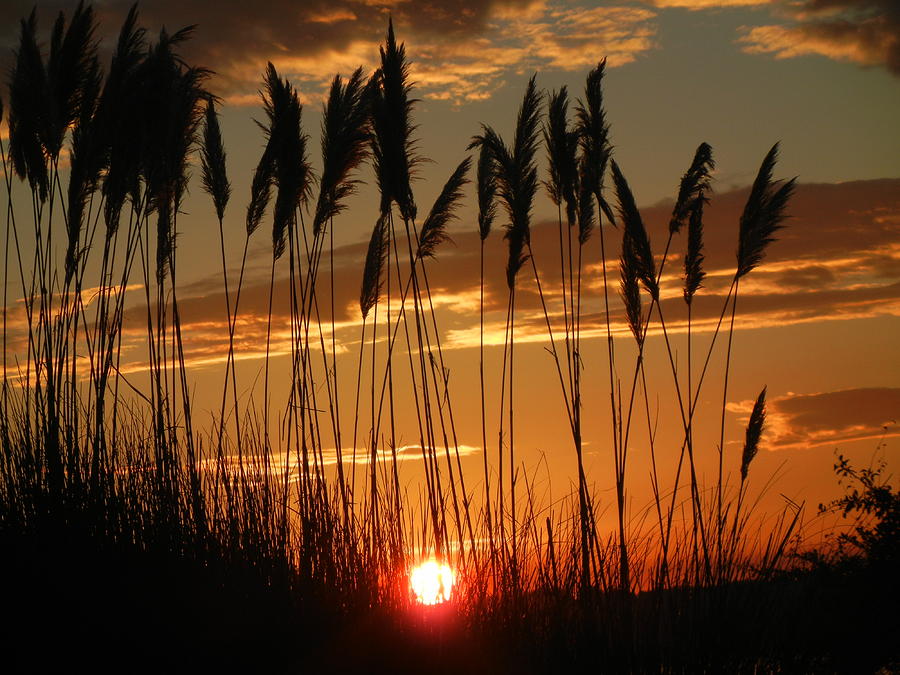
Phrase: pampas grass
(346, 135)
(693, 258)
(214, 175)
(762, 216)
(434, 228)
(128, 464)
(373, 271)
(637, 237)
(29, 111)
(754, 433)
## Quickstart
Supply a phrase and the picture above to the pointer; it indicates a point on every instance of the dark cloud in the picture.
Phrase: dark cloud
(834, 417)
(807, 278)
(838, 258)
(233, 37)
(459, 48)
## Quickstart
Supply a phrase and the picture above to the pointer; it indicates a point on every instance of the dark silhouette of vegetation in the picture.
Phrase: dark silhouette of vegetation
(133, 537)
(875, 506)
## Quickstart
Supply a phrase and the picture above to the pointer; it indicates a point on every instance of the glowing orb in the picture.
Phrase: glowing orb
(431, 582)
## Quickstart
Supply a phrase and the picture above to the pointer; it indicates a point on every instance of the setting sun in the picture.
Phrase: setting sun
(431, 582)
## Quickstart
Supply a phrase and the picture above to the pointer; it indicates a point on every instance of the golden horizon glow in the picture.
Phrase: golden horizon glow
(432, 582)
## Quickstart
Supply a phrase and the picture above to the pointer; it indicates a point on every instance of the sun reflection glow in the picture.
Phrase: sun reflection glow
(431, 582)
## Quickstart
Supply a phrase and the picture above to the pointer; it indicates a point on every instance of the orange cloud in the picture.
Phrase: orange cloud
(709, 4)
(865, 32)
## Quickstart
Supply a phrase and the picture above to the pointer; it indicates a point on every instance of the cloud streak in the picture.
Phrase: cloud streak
(837, 259)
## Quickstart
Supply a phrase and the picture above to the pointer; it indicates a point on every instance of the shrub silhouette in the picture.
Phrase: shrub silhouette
(875, 506)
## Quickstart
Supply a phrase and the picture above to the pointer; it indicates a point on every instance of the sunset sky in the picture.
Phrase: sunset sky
(818, 322)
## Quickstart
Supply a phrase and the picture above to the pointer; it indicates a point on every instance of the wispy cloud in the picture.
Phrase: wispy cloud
(277, 464)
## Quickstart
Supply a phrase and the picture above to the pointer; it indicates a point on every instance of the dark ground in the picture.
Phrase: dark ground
(70, 603)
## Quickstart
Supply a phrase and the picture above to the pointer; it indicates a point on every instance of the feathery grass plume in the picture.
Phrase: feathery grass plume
(593, 134)
(212, 160)
(586, 217)
(87, 161)
(70, 67)
(693, 258)
(172, 94)
(121, 119)
(637, 234)
(754, 431)
(630, 289)
(562, 147)
(28, 110)
(287, 144)
(434, 229)
(393, 145)
(516, 176)
(376, 256)
(346, 133)
(762, 214)
(487, 190)
(694, 183)
(526, 139)
(261, 189)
